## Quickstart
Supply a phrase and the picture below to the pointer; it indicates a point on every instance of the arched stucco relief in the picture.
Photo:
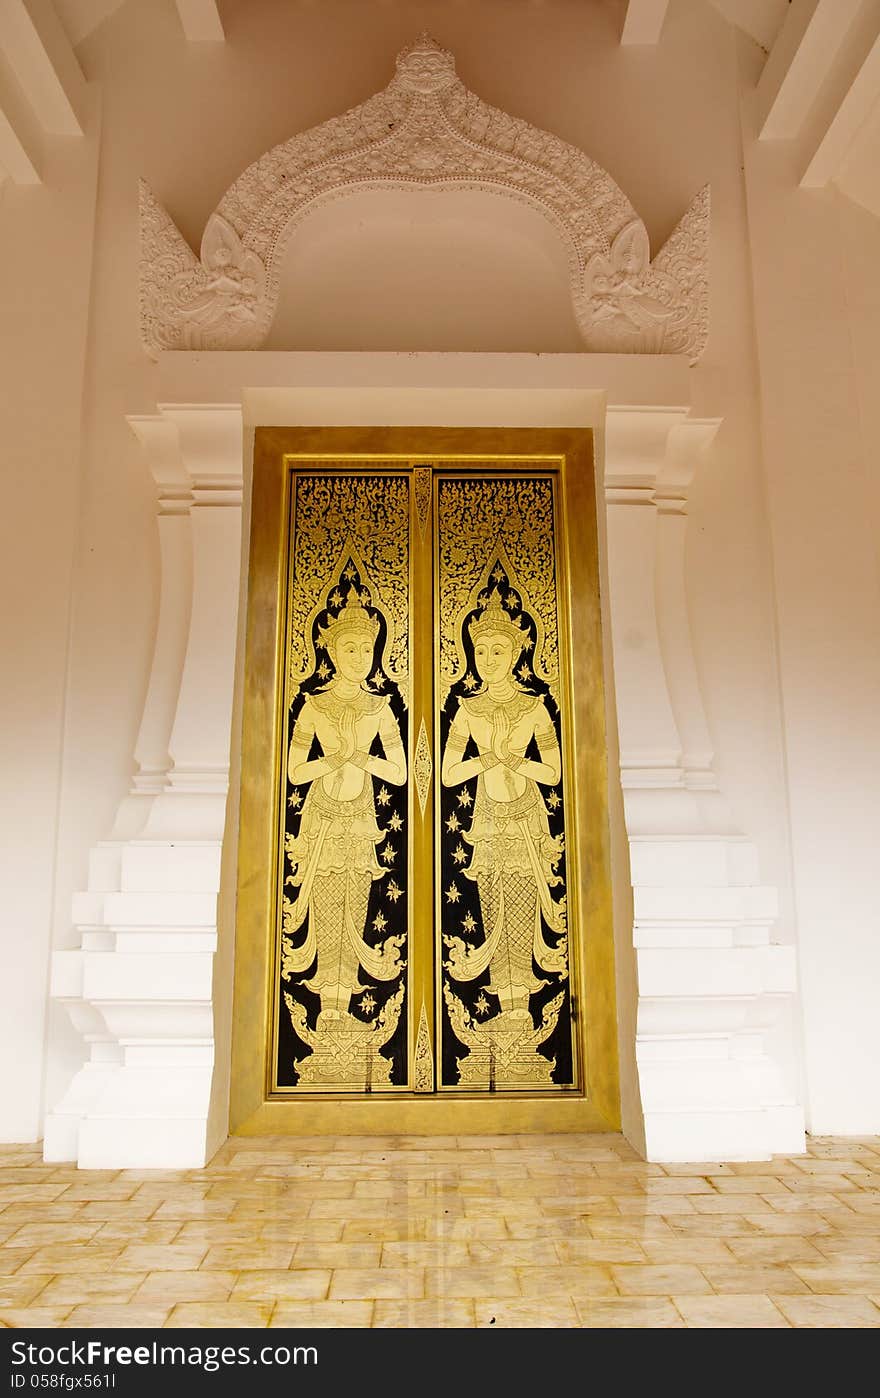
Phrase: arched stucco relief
(425, 129)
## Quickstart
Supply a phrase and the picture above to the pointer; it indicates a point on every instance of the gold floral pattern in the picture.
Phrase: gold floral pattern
(481, 521)
(367, 518)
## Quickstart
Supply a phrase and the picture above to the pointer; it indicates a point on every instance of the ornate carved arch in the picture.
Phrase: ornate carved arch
(425, 129)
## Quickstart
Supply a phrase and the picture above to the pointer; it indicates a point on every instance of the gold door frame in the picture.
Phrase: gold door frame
(254, 1108)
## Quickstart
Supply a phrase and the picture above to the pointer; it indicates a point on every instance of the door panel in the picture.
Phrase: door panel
(343, 861)
(502, 940)
(423, 782)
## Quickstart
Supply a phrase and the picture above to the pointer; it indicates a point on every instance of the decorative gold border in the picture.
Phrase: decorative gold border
(253, 1108)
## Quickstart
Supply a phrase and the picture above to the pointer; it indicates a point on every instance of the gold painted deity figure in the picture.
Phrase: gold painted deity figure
(334, 854)
(514, 856)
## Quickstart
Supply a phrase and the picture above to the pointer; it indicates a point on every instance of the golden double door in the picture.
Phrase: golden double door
(423, 936)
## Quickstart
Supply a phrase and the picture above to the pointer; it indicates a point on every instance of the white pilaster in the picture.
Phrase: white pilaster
(714, 1038)
(139, 987)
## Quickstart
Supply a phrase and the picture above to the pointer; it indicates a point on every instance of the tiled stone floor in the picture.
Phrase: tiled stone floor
(549, 1231)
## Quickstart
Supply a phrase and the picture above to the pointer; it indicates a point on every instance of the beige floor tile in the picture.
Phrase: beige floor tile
(322, 1315)
(752, 1278)
(33, 1317)
(12, 1259)
(212, 1315)
(36, 1235)
(532, 1313)
(125, 1210)
(83, 1288)
(378, 1283)
(32, 1193)
(634, 1280)
(375, 1230)
(464, 1230)
(634, 1227)
(559, 1226)
(303, 1230)
(44, 1213)
(433, 1313)
(173, 1257)
(830, 1312)
(81, 1257)
(748, 1184)
(829, 1184)
(421, 1253)
(599, 1250)
(471, 1281)
(247, 1257)
(569, 1279)
(834, 1278)
(272, 1285)
(525, 1252)
(186, 1286)
(713, 1226)
(699, 1168)
(22, 1289)
(333, 1255)
(696, 1251)
(122, 1233)
(661, 1205)
(628, 1313)
(730, 1313)
(802, 1202)
(845, 1247)
(803, 1225)
(741, 1204)
(93, 1191)
(93, 1317)
(771, 1249)
(675, 1184)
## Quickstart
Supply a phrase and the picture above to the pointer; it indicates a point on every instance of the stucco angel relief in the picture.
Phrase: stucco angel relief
(338, 849)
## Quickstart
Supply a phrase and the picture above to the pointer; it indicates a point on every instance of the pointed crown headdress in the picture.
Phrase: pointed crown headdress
(352, 617)
(496, 619)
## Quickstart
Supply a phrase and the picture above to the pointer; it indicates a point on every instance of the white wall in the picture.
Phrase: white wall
(46, 256)
(663, 121)
(815, 258)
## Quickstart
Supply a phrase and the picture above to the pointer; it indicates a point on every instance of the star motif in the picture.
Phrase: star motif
(377, 680)
(460, 855)
(395, 822)
(553, 800)
(336, 599)
(524, 672)
(453, 823)
(350, 571)
(465, 798)
(393, 891)
(469, 682)
(512, 601)
(482, 1005)
(368, 1003)
(324, 671)
(294, 800)
(388, 854)
(383, 796)
(452, 893)
(469, 922)
(379, 923)
(364, 596)
(498, 572)
(483, 601)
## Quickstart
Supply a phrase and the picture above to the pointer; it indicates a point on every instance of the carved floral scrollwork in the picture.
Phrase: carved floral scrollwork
(425, 129)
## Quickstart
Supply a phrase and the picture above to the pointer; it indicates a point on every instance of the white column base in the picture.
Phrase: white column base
(141, 983)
